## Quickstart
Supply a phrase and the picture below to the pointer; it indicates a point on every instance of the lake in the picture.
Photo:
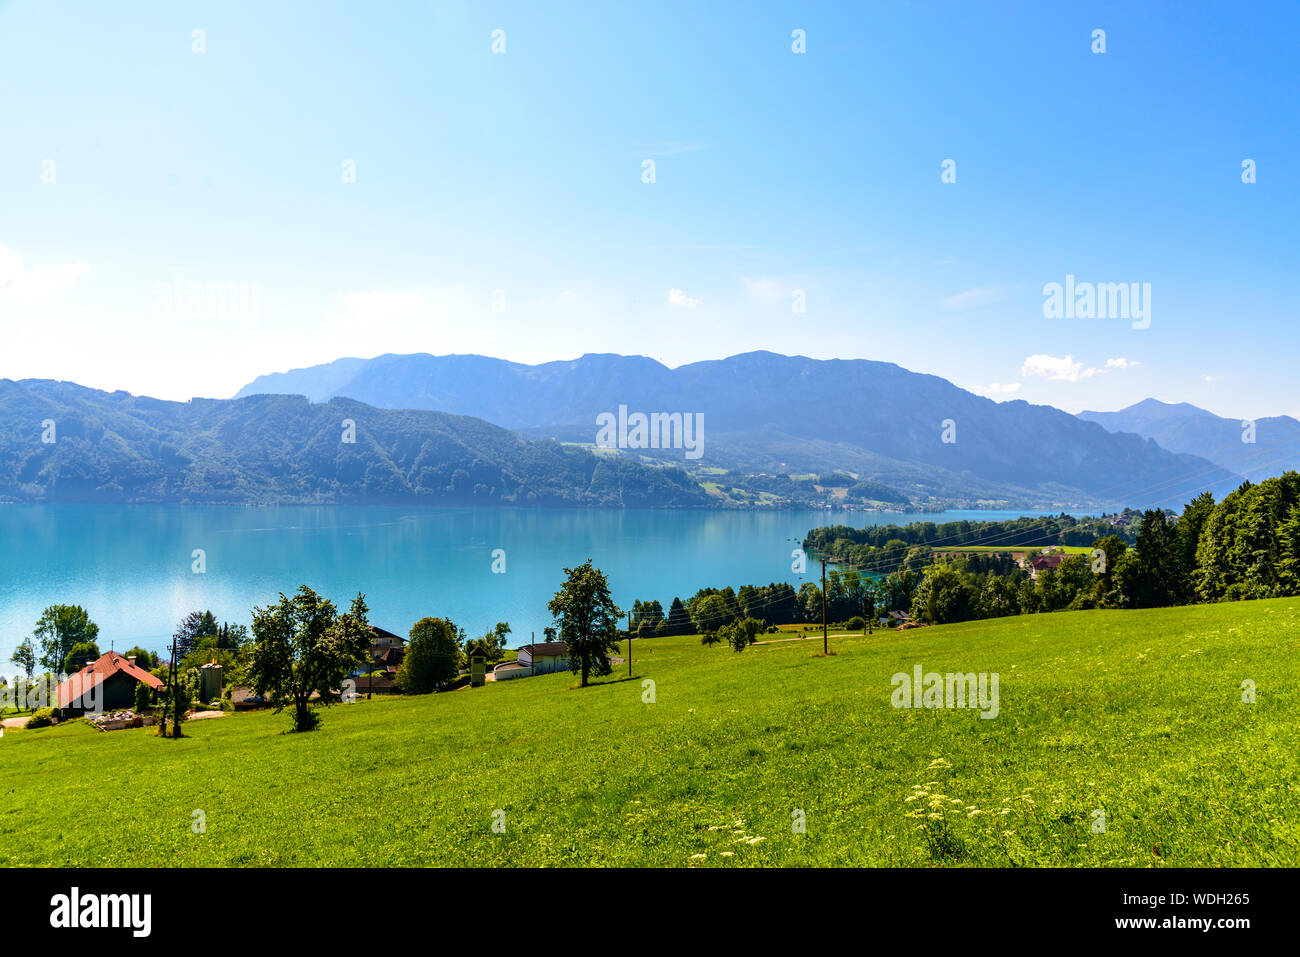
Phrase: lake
(131, 566)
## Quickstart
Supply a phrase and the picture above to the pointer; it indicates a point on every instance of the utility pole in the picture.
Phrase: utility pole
(825, 646)
(532, 653)
(170, 693)
(629, 644)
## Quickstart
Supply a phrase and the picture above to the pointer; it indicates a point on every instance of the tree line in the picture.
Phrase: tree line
(882, 549)
(1244, 547)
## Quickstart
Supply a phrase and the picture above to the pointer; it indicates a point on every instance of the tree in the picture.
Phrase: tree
(24, 657)
(869, 602)
(709, 612)
(678, 621)
(740, 634)
(58, 629)
(195, 626)
(432, 656)
(302, 647)
(79, 656)
(1151, 581)
(647, 616)
(943, 596)
(1187, 536)
(229, 661)
(998, 598)
(144, 660)
(587, 619)
(492, 644)
(809, 602)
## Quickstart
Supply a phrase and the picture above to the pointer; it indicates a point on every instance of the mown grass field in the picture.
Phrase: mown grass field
(1137, 713)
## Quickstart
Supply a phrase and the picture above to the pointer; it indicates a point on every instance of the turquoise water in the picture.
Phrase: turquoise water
(131, 566)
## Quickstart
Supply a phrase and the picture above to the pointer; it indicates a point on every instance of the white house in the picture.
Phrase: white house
(545, 658)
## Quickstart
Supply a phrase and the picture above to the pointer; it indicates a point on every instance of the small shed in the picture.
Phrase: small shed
(477, 668)
(211, 681)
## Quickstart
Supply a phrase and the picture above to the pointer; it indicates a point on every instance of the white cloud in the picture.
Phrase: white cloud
(38, 283)
(1212, 379)
(1062, 368)
(1066, 369)
(678, 298)
(997, 388)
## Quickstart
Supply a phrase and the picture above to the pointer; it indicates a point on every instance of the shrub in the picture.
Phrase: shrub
(143, 697)
(42, 718)
(458, 682)
(857, 623)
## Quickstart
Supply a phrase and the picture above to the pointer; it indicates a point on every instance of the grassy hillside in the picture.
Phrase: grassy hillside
(1139, 713)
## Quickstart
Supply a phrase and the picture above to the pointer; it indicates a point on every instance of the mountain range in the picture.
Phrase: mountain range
(773, 415)
(1253, 448)
(467, 429)
(61, 442)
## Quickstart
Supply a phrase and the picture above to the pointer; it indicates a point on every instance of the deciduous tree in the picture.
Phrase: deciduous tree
(587, 619)
(303, 647)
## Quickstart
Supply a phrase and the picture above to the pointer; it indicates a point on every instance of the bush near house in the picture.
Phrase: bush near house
(143, 698)
(42, 718)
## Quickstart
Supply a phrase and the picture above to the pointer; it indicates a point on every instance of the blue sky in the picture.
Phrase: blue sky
(774, 172)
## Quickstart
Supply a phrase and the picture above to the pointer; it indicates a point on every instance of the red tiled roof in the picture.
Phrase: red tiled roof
(97, 672)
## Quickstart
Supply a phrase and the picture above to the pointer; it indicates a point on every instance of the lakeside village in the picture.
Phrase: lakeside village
(302, 652)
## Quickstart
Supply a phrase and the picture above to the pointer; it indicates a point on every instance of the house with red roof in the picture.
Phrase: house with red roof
(106, 684)
(1045, 562)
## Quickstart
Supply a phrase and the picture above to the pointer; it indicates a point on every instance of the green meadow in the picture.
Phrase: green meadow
(1131, 719)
